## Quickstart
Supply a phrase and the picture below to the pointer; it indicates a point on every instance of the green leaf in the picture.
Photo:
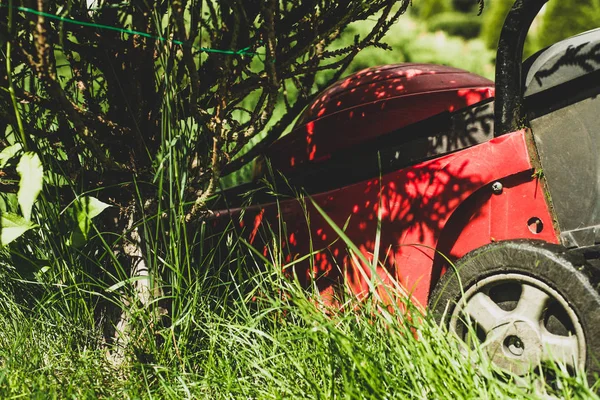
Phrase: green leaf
(9, 152)
(76, 239)
(32, 177)
(87, 208)
(12, 226)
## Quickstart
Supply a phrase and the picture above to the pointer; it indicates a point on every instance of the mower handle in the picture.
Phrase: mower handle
(508, 107)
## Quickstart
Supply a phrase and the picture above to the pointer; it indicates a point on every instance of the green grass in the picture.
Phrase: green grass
(259, 337)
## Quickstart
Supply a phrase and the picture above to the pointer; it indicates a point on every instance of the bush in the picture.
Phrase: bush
(429, 8)
(456, 24)
(465, 6)
(453, 51)
(494, 15)
(567, 18)
(411, 42)
(493, 18)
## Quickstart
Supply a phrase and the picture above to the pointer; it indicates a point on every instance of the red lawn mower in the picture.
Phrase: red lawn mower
(501, 179)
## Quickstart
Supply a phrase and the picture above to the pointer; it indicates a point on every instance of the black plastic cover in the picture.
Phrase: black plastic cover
(568, 143)
(563, 62)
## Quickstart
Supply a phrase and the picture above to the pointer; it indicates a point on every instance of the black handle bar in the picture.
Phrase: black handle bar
(508, 113)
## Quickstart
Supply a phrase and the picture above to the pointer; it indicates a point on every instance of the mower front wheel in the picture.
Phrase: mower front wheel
(526, 302)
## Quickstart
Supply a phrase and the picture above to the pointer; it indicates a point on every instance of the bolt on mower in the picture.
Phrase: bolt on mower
(501, 179)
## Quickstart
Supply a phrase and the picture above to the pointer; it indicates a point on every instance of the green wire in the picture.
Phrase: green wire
(243, 52)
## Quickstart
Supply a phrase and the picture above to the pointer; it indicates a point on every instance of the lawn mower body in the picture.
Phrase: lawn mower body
(421, 159)
(405, 159)
(416, 168)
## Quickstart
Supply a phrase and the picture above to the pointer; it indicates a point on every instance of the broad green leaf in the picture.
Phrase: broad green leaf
(76, 239)
(32, 177)
(9, 152)
(87, 208)
(12, 226)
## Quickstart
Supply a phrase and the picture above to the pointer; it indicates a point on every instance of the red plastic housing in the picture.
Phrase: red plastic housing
(374, 102)
(445, 205)
(442, 205)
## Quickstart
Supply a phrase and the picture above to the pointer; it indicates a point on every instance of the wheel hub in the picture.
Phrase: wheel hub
(518, 338)
(515, 346)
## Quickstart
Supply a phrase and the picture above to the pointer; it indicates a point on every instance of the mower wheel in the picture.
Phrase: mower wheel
(526, 302)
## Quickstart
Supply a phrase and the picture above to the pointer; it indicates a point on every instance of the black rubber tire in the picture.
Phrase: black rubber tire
(567, 274)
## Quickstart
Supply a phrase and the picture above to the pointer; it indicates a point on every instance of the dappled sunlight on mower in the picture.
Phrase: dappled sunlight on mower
(372, 103)
(479, 200)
